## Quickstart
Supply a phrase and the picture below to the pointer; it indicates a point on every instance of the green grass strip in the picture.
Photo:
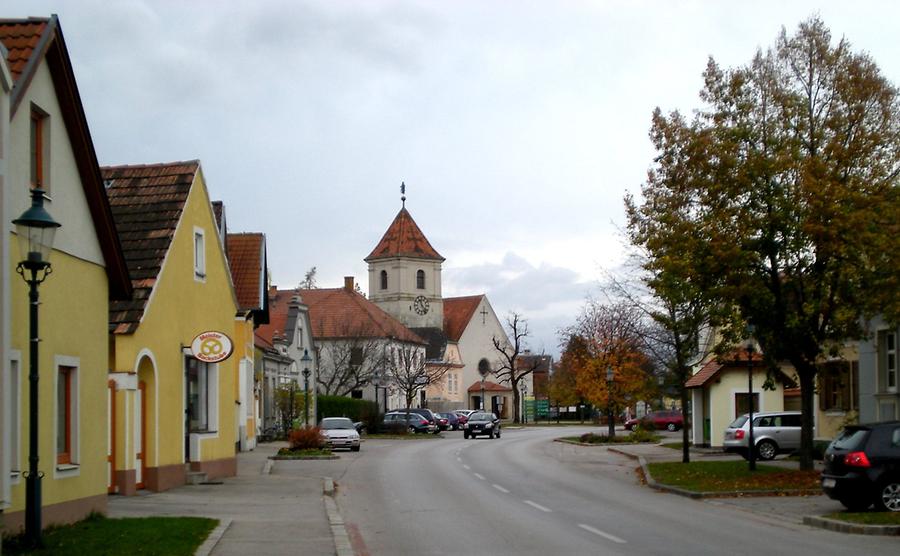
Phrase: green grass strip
(100, 536)
(728, 476)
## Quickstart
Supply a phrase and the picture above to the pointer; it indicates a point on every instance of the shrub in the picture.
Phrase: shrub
(340, 406)
(309, 438)
(643, 435)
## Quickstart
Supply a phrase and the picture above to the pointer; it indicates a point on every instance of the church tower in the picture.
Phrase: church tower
(405, 275)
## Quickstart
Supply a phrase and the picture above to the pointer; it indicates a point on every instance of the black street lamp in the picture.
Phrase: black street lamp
(524, 390)
(482, 393)
(306, 360)
(610, 376)
(35, 230)
(751, 447)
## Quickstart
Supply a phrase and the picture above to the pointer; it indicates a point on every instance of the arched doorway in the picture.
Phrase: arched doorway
(145, 434)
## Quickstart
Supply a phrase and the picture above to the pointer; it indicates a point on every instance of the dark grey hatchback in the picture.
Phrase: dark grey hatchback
(482, 423)
(862, 467)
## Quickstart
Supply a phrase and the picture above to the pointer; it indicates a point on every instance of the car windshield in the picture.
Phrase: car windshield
(480, 417)
(739, 422)
(331, 424)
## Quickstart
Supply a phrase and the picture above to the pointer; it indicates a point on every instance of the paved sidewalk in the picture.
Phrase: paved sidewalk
(268, 514)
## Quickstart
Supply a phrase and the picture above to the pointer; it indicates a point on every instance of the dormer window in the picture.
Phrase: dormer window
(384, 279)
(420, 279)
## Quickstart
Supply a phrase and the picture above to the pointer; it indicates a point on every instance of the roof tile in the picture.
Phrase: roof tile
(20, 37)
(245, 258)
(403, 238)
(458, 311)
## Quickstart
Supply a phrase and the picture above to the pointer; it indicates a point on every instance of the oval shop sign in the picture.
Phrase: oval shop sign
(211, 347)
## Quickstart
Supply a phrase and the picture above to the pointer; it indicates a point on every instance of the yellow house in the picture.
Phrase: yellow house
(46, 144)
(172, 395)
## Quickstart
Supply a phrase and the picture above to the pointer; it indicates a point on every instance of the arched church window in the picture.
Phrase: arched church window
(420, 279)
(384, 279)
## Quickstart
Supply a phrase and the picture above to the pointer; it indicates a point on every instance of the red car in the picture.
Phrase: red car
(668, 420)
(463, 418)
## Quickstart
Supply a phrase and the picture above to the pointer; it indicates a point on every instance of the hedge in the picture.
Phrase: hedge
(340, 406)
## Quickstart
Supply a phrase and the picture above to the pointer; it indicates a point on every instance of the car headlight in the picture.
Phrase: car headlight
(489, 425)
(465, 425)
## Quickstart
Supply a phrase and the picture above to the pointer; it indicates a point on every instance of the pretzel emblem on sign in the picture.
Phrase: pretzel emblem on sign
(211, 346)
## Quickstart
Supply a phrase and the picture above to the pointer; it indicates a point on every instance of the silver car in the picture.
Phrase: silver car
(773, 434)
(339, 432)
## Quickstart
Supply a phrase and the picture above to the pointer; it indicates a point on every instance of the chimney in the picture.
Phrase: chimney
(348, 283)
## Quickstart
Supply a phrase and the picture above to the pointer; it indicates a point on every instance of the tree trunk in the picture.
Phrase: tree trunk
(807, 376)
(516, 403)
(685, 436)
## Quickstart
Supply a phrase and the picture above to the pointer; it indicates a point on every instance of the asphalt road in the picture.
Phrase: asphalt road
(526, 495)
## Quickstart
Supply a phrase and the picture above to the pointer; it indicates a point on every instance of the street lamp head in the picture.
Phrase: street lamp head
(306, 372)
(35, 229)
(306, 359)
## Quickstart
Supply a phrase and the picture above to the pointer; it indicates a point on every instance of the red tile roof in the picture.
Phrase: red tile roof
(488, 387)
(403, 238)
(712, 368)
(245, 258)
(146, 201)
(458, 311)
(21, 38)
(278, 310)
(343, 313)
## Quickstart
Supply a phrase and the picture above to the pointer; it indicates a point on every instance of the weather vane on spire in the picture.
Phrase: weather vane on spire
(403, 193)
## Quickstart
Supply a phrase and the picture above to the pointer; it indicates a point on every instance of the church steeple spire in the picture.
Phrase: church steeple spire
(403, 193)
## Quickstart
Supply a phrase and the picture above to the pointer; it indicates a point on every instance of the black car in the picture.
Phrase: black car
(482, 423)
(424, 412)
(862, 467)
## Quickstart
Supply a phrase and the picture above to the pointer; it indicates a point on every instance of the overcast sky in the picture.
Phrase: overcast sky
(517, 126)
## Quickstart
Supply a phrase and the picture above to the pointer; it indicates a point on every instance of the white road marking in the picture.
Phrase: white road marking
(500, 488)
(458, 459)
(479, 475)
(613, 538)
(538, 506)
(466, 466)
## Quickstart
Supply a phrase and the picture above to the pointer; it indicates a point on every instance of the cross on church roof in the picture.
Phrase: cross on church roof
(484, 313)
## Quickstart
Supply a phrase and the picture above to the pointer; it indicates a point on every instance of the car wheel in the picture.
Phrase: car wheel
(888, 498)
(855, 503)
(498, 433)
(411, 430)
(766, 450)
(354, 448)
(466, 435)
(671, 427)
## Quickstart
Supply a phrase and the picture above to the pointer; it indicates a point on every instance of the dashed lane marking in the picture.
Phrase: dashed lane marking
(501, 489)
(538, 506)
(466, 467)
(598, 532)
(479, 475)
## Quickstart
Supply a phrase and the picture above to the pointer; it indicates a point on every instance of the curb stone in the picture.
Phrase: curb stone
(855, 528)
(338, 529)
(213, 539)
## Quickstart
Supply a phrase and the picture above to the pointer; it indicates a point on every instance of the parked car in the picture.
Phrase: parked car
(463, 418)
(442, 422)
(482, 423)
(412, 422)
(773, 434)
(426, 413)
(339, 432)
(665, 419)
(452, 420)
(466, 412)
(862, 467)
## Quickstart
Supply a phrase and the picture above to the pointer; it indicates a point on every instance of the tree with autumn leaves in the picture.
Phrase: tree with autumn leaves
(607, 336)
(779, 202)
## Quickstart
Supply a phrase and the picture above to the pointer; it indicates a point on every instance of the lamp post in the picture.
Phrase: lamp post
(610, 375)
(524, 390)
(35, 229)
(305, 360)
(751, 445)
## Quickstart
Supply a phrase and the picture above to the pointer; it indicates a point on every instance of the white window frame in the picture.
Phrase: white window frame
(890, 371)
(71, 469)
(199, 254)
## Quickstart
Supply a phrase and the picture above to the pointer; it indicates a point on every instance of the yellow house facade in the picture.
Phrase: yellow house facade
(47, 145)
(174, 409)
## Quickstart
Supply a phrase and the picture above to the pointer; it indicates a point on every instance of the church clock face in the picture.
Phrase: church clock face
(420, 304)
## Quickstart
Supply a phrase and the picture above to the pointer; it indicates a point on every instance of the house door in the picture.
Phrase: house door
(140, 434)
(111, 437)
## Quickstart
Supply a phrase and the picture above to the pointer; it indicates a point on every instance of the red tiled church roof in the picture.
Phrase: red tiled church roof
(458, 311)
(147, 202)
(245, 259)
(343, 313)
(403, 238)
